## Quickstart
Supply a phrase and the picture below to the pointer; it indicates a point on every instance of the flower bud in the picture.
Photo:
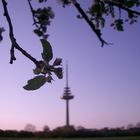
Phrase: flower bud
(57, 62)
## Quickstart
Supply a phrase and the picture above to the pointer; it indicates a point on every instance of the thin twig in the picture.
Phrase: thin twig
(12, 54)
(90, 23)
(13, 40)
(32, 11)
(122, 7)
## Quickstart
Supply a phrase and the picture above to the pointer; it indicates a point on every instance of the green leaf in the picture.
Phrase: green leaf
(38, 32)
(57, 62)
(47, 54)
(35, 83)
(119, 25)
(37, 71)
(49, 79)
(58, 72)
(130, 3)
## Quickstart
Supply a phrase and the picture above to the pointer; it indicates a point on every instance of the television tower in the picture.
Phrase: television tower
(67, 96)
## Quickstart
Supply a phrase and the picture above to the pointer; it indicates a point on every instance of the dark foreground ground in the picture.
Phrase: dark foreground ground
(111, 138)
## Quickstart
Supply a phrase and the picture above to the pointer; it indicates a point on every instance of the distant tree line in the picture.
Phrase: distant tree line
(71, 132)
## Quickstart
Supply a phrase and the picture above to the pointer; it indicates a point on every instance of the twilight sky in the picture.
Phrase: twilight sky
(105, 81)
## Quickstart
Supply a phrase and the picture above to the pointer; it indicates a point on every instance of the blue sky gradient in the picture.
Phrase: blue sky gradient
(105, 81)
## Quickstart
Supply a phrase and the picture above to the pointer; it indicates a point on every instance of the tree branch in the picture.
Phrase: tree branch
(90, 23)
(12, 54)
(122, 7)
(32, 11)
(13, 40)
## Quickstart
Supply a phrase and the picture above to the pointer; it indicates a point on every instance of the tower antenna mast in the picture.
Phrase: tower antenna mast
(67, 74)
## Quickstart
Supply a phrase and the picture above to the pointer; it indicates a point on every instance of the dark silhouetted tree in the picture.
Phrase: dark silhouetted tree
(30, 128)
(138, 125)
(46, 128)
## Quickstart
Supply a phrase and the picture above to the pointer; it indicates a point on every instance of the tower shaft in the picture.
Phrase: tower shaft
(67, 113)
(67, 96)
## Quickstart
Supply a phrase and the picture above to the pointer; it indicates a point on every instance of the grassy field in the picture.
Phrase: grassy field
(111, 138)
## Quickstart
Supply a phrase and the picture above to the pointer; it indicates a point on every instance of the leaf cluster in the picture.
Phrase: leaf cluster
(44, 69)
(42, 18)
(113, 8)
